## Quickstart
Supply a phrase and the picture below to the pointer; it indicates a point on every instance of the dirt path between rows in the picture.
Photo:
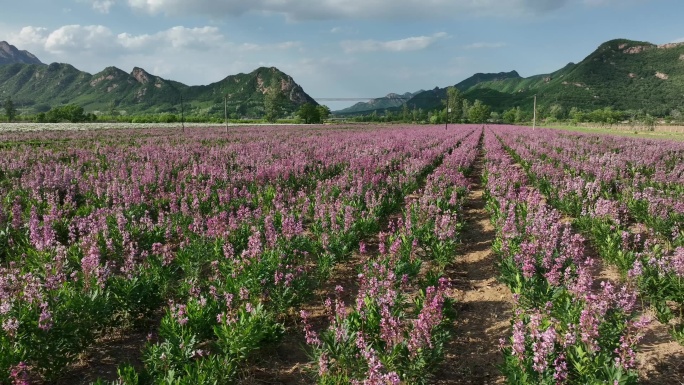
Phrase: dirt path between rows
(483, 304)
(659, 358)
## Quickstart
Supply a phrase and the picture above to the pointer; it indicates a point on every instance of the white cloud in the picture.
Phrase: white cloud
(30, 37)
(479, 45)
(344, 31)
(680, 40)
(252, 47)
(601, 3)
(198, 39)
(78, 38)
(100, 39)
(351, 9)
(612, 3)
(415, 43)
(103, 6)
(203, 38)
(192, 55)
(64, 39)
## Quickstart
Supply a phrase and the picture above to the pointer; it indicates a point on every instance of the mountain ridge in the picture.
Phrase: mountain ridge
(37, 87)
(621, 74)
(384, 102)
(10, 54)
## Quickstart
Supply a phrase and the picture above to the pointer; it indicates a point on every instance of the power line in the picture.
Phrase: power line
(604, 98)
(359, 99)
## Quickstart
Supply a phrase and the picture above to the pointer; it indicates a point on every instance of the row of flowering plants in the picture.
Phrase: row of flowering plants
(204, 238)
(395, 330)
(336, 220)
(634, 179)
(568, 328)
(637, 226)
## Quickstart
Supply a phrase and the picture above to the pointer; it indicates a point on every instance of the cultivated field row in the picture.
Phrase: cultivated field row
(318, 255)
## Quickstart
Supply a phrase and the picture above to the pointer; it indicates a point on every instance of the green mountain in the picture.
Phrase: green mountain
(9, 54)
(620, 74)
(429, 100)
(433, 98)
(38, 87)
(389, 101)
(481, 78)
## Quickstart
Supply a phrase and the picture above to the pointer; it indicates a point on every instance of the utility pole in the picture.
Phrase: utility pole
(225, 111)
(534, 119)
(448, 110)
(182, 115)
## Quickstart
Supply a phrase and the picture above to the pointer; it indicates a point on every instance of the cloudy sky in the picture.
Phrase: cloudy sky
(333, 48)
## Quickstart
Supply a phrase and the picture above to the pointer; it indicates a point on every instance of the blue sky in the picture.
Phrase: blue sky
(333, 48)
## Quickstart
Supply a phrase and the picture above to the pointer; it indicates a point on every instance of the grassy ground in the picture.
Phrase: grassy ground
(621, 131)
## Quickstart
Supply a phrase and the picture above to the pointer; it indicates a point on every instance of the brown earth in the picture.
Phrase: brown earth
(483, 304)
(102, 360)
(660, 359)
(288, 363)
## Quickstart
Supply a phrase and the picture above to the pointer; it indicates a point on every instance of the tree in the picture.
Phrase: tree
(520, 115)
(556, 112)
(576, 115)
(69, 113)
(274, 101)
(309, 113)
(649, 122)
(323, 111)
(374, 116)
(112, 108)
(465, 110)
(509, 116)
(10, 110)
(478, 113)
(389, 116)
(405, 113)
(495, 117)
(453, 102)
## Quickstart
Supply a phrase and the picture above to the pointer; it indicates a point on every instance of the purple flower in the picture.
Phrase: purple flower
(179, 313)
(309, 334)
(45, 319)
(677, 262)
(16, 213)
(20, 374)
(518, 339)
(560, 369)
(10, 326)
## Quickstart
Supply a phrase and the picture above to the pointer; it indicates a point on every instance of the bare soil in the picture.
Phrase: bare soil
(287, 363)
(103, 359)
(660, 359)
(483, 304)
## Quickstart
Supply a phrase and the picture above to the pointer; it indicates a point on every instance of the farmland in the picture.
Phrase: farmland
(336, 255)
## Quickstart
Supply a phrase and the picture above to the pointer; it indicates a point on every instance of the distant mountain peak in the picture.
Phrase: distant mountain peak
(388, 101)
(139, 92)
(9, 54)
(142, 76)
(486, 77)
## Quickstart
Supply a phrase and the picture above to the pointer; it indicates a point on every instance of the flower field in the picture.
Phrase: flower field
(214, 249)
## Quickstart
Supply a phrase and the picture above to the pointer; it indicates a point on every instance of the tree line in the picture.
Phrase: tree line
(455, 109)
